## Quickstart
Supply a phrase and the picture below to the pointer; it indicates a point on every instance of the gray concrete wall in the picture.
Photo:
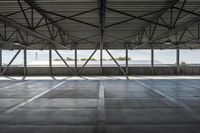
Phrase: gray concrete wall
(189, 70)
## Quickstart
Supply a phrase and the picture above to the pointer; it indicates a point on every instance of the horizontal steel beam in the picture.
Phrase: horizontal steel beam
(178, 28)
(13, 44)
(133, 18)
(74, 15)
(34, 5)
(21, 27)
(140, 18)
(146, 24)
(73, 19)
(172, 31)
(187, 11)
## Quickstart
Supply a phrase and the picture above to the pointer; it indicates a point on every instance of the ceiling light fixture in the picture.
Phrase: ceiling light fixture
(168, 42)
(16, 43)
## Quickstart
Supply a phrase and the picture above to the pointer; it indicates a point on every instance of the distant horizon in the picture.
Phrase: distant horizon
(162, 56)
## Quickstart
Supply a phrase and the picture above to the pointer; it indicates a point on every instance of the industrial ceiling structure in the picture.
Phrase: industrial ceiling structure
(70, 66)
(99, 24)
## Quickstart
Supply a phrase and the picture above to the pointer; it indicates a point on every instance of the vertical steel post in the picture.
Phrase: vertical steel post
(152, 60)
(198, 32)
(75, 59)
(25, 62)
(0, 60)
(101, 48)
(178, 60)
(127, 59)
(50, 62)
(102, 14)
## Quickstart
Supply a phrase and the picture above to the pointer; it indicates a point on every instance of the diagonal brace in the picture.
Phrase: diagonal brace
(87, 61)
(14, 57)
(125, 74)
(64, 61)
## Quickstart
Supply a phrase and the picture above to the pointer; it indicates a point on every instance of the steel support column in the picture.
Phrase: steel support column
(101, 49)
(50, 62)
(152, 60)
(178, 60)
(102, 12)
(127, 59)
(25, 62)
(0, 60)
(75, 60)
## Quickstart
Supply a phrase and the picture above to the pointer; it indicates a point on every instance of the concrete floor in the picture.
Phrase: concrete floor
(142, 104)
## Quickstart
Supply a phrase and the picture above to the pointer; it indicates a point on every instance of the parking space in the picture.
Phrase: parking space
(142, 105)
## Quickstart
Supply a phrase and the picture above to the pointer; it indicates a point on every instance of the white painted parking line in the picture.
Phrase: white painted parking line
(101, 118)
(180, 104)
(7, 87)
(33, 98)
(189, 84)
(184, 83)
